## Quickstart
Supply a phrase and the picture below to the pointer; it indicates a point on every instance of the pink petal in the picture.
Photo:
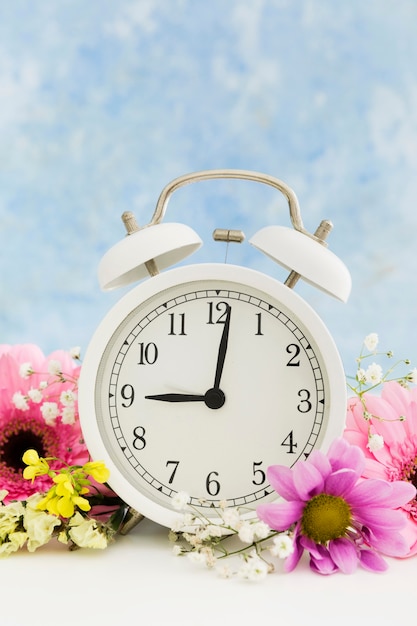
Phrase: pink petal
(293, 559)
(344, 555)
(281, 479)
(341, 482)
(372, 561)
(379, 518)
(320, 462)
(342, 455)
(391, 543)
(280, 516)
(379, 492)
(308, 480)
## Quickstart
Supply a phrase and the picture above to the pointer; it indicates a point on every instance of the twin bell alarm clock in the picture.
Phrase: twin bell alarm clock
(204, 375)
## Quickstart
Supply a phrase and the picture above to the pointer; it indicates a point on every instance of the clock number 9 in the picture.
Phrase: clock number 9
(128, 393)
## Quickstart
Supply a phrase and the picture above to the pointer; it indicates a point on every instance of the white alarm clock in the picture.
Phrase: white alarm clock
(204, 375)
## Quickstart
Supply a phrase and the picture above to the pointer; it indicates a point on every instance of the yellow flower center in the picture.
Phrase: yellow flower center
(325, 517)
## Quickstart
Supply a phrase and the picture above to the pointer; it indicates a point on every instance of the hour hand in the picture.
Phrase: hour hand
(176, 397)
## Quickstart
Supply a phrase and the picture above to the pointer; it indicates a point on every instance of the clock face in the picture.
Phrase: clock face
(201, 378)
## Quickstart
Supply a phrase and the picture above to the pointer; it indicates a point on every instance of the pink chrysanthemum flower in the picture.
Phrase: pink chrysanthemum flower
(336, 516)
(38, 410)
(391, 421)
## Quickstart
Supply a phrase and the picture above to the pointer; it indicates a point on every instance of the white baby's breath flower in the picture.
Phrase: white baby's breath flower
(180, 500)
(54, 367)
(35, 395)
(375, 442)
(68, 397)
(253, 569)
(25, 370)
(20, 401)
(373, 375)
(68, 415)
(371, 341)
(282, 546)
(246, 532)
(43, 384)
(215, 531)
(231, 517)
(261, 530)
(49, 412)
(197, 557)
(75, 352)
(361, 375)
(224, 571)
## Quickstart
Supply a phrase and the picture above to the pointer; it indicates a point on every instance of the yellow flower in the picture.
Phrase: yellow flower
(97, 470)
(36, 466)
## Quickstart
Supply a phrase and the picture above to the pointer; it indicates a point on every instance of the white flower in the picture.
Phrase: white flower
(180, 500)
(282, 546)
(85, 533)
(68, 397)
(50, 412)
(375, 442)
(54, 367)
(371, 341)
(253, 569)
(361, 375)
(35, 395)
(20, 401)
(197, 557)
(261, 530)
(75, 352)
(231, 517)
(373, 374)
(224, 571)
(43, 384)
(176, 550)
(246, 532)
(39, 525)
(25, 370)
(68, 415)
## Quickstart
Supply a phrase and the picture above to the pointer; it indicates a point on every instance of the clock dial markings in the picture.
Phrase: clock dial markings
(267, 359)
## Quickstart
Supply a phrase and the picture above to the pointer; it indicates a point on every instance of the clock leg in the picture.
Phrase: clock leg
(131, 519)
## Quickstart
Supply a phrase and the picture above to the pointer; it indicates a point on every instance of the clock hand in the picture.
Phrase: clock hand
(213, 398)
(176, 397)
(222, 349)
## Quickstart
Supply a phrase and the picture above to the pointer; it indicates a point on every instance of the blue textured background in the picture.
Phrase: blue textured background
(102, 103)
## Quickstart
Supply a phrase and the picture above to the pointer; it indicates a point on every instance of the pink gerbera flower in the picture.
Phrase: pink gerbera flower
(38, 410)
(385, 428)
(336, 516)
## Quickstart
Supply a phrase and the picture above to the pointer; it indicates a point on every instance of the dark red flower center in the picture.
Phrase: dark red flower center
(14, 448)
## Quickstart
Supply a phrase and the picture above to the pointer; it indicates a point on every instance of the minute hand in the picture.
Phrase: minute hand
(222, 349)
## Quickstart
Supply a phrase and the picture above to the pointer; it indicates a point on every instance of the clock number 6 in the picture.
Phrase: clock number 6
(212, 485)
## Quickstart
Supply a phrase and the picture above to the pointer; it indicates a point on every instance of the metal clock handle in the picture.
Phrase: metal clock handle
(258, 177)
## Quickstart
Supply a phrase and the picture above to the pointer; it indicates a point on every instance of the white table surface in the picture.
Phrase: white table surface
(138, 578)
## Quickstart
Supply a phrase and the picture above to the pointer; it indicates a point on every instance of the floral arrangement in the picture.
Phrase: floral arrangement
(49, 487)
(347, 508)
